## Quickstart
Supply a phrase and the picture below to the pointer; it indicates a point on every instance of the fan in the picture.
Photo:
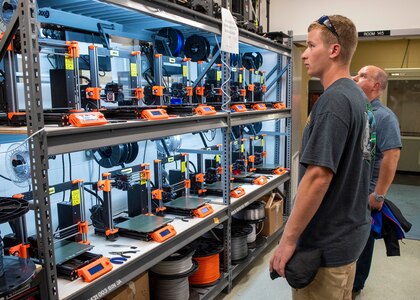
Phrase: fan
(8, 7)
(18, 164)
(173, 143)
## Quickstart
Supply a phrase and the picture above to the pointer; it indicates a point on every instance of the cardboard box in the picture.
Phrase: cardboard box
(273, 213)
(138, 288)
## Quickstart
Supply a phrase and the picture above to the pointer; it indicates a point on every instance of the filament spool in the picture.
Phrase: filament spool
(169, 278)
(239, 242)
(254, 239)
(170, 289)
(252, 60)
(208, 259)
(177, 265)
(15, 272)
(197, 48)
(253, 212)
(250, 238)
(169, 41)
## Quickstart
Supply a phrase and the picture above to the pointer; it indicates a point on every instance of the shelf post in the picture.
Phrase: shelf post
(288, 146)
(38, 152)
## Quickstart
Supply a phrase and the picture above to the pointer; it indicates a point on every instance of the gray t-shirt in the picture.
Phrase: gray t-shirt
(387, 136)
(336, 136)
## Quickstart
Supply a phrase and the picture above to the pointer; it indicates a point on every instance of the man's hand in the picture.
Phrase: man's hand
(281, 256)
(374, 204)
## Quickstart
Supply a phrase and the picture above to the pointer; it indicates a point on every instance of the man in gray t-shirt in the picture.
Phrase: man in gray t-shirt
(373, 81)
(331, 210)
(332, 139)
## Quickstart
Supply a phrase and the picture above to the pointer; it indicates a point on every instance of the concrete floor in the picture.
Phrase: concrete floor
(391, 278)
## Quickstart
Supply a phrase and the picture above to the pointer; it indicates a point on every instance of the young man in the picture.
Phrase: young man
(331, 210)
(373, 81)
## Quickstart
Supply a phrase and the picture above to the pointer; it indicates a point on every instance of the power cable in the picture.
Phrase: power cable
(23, 142)
(224, 105)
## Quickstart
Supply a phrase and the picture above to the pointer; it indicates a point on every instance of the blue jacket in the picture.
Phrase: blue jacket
(390, 224)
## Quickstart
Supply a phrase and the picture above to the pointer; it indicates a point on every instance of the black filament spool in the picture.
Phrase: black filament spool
(252, 60)
(197, 48)
(206, 247)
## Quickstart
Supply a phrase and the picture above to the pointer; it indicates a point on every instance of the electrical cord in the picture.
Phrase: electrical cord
(94, 194)
(225, 106)
(23, 142)
(49, 60)
(213, 135)
(64, 175)
(85, 78)
(144, 152)
(195, 169)
(4, 177)
(71, 175)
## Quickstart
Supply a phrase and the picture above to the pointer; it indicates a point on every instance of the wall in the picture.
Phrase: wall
(390, 53)
(400, 16)
(400, 53)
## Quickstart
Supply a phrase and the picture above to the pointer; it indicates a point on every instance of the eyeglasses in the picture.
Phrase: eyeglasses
(325, 20)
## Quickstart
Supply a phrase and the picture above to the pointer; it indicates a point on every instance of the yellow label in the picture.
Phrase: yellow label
(217, 158)
(75, 197)
(261, 80)
(184, 71)
(142, 179)
(172, 59)
(183, 167)
(114, 53)
(133, 70)
(262, 142)
(216, 220)
(171, 159)
(242, 148)
(240, 78)
(218, 75)
(69, 63)
(51, 190)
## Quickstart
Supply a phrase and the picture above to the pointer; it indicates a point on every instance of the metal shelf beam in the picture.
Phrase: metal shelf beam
(242, 118)
(247, 199)
(70, 139)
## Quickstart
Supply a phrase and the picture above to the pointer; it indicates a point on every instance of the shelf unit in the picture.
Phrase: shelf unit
(146, 258)
(129, 16)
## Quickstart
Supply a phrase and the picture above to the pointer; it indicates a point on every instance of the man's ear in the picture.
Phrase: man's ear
(335, 50)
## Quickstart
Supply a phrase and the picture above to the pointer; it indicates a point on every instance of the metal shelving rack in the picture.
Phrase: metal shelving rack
(136, 267)
(50, 141)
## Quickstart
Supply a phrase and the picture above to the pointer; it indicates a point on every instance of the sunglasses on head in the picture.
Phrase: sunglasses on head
(325, 20)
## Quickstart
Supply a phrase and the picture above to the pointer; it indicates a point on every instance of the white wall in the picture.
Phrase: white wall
(402, 17)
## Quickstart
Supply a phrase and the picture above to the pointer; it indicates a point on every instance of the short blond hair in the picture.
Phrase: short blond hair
(347, 35)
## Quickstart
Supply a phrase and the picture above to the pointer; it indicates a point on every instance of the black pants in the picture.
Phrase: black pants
(363, 264)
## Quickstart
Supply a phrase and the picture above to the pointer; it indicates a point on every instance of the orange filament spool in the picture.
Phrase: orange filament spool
(208, 270)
